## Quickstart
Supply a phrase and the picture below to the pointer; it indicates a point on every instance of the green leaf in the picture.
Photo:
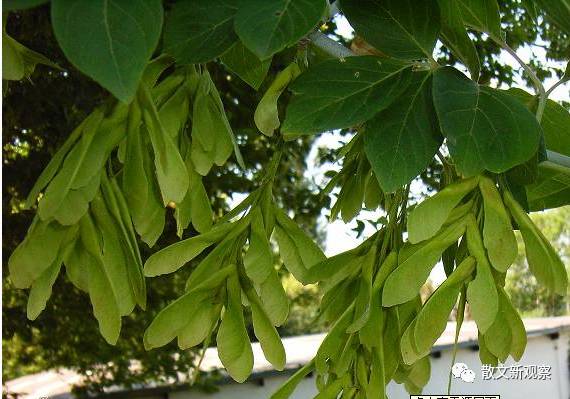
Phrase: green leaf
(241, 61)
(486, 129)
(298, 251)
(10, 5)
(498, 336)
(105, 306)
(410, 353)
(266, 114)
(75, 261)
(401, 141)
(234, 348)
(398, 28)
(36, 253)
(41, 290)
(169, 323)
(558, 11)
(139, 183)
(342, 93)
(498, 236)
(267, 334)
(287, 389)
(258, 260)
(551, 190)
(485, 355)
(201, 208)
(121, 38)
(126, 236)
(516, 325)
(199, 31)
(544, 262)
(20, 61)
(482, 15)
(200, 324)
(428, 216)
(54, 164)
(329, 267)
(173, 257)
(213, 137)
(112, 255)
(268, 26)
(68, 176)
(455, 37)
(432, 319)
(13, 66)
(405, 282)
(76, 202)
(274, 299)
(555, 121)
(170, 168)
(481, 292)
(551, 187)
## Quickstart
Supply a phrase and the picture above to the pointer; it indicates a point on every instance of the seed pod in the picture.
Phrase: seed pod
(415, 265)
(432, 318)
(498, 236)
(265, 331)
(481, 292)
(266, 114)
(543, 261)
(427, 218)
(518, 331)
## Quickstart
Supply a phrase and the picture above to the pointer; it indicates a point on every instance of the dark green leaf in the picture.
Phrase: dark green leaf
(240, 60)
(551, 190)
(555, 121)
(401, 141)
(482, 15)
(200, 30)
(486, 129)
(268, 26)
(455, 37)
(405, 29)
(110, 41)
(342, 93)
(9, 5)
(543, 260)
(558, 11)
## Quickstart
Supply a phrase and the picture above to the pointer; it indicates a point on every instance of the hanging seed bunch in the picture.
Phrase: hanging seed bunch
(114, 177)
(238, 274)
(381, 330)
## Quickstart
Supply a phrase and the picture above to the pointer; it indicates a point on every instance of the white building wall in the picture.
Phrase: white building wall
(541, 350)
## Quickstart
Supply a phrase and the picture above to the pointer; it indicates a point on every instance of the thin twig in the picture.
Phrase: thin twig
(555, 86)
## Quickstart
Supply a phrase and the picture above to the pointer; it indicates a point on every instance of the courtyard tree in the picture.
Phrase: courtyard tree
(142, 157)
